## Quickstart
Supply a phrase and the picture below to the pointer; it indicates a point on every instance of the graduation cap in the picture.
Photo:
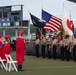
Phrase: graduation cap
(6, 36)
(21, 32)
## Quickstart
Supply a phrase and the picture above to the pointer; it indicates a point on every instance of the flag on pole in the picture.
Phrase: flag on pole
(53, 23)
(67, 25)
(37, 22)
(72, 25)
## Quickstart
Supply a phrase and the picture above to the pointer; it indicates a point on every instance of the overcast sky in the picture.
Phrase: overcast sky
(54, 7)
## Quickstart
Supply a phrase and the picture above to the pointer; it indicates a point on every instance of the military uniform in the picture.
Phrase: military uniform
(37, 47)
(67, 49)
(62, 48)
(43, 42)
(48, 44)
(54, 48)
(74, 49)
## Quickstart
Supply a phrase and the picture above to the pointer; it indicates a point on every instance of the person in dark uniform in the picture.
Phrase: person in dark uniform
(43, 42)
(54, 48)
(74, 48)
(67, 48)
(62, 48)
(49, 44)
(37, 41)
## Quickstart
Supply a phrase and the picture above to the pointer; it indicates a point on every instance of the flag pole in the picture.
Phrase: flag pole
(63, 31)
(29, 11)
(40, 30)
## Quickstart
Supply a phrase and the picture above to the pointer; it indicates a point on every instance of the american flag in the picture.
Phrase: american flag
(52, 23)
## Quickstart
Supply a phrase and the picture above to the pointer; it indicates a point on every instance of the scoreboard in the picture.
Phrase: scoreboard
(7, 8)
(11, 8)
(12, 16)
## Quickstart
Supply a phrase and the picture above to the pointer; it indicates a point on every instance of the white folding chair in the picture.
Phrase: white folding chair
(10, 65)
(2, 65)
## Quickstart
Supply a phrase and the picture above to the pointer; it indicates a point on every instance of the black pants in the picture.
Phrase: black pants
(43, 50)
(67, 53)
(37, 50)
(48, 51)
(62, 52)
(74, 52)
(54, 51)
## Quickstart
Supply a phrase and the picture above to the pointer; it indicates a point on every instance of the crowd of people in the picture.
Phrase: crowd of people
(56, 47)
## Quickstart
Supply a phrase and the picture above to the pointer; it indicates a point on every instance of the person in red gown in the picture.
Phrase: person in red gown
(7, 47)
(20, 49)
(0, 44)
(2, 53)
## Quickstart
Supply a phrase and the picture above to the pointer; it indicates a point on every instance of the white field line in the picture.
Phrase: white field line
(52, 67)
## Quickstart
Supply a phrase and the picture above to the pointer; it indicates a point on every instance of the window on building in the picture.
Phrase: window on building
(17, 23)
(15, 13)
(4, 24)
(15, 18)
(11, 23)
(5, 15)
(0, 14)
(7, 19)
(20, 23)
(3, 20)
(25, 23)
(8, 23)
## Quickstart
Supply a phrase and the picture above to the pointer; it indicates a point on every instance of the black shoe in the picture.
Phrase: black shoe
(21, 69)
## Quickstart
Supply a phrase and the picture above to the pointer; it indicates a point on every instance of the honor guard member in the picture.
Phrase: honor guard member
(51, 41)
(43, 43)
(67, 48)
(48, 44)
(37, 41)
(20, 49)
(54, 48)
(74, 48)
(62, 40)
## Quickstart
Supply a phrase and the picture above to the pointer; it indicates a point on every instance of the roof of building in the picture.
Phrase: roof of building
(72, 1)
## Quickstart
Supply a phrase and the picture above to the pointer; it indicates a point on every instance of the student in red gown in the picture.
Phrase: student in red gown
(2, 52)
(7, 47)
(0, 44)
(20, 49)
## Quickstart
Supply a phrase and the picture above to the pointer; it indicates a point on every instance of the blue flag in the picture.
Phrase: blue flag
(37, 22)
(46, 16)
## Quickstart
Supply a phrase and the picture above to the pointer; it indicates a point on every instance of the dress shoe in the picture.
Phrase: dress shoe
(21, 69)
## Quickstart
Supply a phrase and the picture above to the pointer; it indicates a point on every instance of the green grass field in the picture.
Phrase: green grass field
(41, 66)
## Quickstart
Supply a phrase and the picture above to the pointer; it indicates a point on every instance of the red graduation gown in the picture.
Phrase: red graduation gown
(7, 48)
(0, 47)
(2, 52)
(20, 50)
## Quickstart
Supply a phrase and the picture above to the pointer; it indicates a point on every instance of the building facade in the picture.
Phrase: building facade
(11, 15)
